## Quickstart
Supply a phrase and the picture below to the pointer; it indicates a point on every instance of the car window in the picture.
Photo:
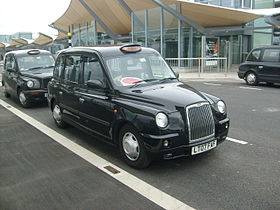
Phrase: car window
(59, 65)
(134, 68)
(29, 62)
(92, 69)
(255, 55)
(72, 71)
(10, 62)
(271, 55)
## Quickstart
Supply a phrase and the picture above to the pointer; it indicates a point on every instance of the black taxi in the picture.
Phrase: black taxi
(128, 96)
(26, 75)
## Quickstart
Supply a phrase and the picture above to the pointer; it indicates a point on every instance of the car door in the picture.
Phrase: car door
(95, 107)
(269, 67)
(68, 96)
(11, 74)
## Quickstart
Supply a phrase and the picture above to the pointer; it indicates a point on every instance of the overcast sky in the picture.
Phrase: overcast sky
(30, 15)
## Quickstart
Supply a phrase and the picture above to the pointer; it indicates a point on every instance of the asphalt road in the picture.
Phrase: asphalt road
(233, 176)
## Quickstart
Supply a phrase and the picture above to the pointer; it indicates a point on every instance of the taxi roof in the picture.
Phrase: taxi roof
(107, 51)
(25, 52)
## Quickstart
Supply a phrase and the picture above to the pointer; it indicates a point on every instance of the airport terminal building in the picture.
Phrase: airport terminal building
(175, 28)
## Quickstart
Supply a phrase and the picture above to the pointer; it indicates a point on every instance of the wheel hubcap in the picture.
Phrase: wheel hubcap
(131, 146)
(251, 78)
(57, 114)
(22, 98)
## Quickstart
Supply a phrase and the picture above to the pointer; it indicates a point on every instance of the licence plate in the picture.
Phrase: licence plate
(46, 95)
(204, 147)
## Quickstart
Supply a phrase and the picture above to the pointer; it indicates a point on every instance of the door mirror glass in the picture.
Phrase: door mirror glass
(177, 75)
(96, 84)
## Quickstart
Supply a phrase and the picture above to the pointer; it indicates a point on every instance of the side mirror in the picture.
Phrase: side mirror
(11, 70)
(96, 84)
(177, 75)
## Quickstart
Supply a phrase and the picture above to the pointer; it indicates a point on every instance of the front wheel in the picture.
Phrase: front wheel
(57, 116)
(132, 148)
(24, 102)
(251, 78)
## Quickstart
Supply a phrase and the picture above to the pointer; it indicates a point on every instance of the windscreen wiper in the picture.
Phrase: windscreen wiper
(135, 84)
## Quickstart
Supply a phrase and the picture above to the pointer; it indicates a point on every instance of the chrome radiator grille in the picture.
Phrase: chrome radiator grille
(200, 121)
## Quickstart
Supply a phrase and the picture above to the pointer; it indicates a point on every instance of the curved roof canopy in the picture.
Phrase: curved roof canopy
(116, 16)
(43, 39)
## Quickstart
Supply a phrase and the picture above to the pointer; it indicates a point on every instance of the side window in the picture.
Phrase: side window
(10, 62)
(59, 65)
(255, 55)
(92, 69)
(72, 71)
(271, 55)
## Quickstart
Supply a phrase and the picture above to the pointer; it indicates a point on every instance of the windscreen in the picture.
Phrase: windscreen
(138, 68)
(32, 62)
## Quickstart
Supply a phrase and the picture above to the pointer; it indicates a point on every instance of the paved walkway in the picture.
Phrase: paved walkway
(38, 173)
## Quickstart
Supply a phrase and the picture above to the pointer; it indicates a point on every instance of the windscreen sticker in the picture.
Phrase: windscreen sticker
(130, 80)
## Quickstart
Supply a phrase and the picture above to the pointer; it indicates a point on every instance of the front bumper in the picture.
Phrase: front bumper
(178, 145)
(36, 95)
(241, 75)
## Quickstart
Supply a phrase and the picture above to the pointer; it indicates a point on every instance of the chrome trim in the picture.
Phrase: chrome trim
(92, 95)
(200, 104)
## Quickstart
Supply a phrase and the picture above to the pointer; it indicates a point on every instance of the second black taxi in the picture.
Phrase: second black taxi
(26, 75)
(128, 96)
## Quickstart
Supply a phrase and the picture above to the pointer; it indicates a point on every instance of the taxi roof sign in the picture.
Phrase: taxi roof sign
(131, 48)
(33, 52)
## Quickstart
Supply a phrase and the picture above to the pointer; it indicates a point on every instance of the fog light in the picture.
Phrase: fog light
(166, 143)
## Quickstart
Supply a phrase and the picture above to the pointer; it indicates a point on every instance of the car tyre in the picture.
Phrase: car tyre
(132, 148)
(24, 102)
(6, 94)
(251, 78)
(57, 115)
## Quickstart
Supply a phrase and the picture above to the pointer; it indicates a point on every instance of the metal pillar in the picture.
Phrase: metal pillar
(146, 28)
(95, 35)
(162, 48)
(132, 27)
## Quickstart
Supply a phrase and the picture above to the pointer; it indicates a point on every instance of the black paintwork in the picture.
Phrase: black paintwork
(265, 71)
(104, 111)
(15, 80)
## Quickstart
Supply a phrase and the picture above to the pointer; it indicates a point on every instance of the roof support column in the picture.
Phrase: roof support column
(132, 27)
(146, 28)
(184, 19)
(95, 35)
(162, 48)
(100, 22)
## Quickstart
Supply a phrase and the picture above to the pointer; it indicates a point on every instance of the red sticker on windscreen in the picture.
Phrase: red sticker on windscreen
(130, 80)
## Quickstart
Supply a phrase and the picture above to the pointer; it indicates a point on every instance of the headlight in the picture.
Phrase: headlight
(30, 84)
(161, 120)
(221, 107)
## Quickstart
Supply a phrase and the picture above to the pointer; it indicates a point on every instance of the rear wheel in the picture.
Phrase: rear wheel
(251, 78)
(24, 102)
(132, 148)
(57, 115)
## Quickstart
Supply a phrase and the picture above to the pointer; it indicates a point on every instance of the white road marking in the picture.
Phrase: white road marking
(249, 88)
(212, 84)
(157, 196)
(236, 141)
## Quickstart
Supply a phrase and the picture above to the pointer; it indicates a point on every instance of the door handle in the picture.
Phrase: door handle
(81, 100)
(260, 67)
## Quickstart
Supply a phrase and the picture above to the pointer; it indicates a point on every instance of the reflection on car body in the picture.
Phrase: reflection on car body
(131, 98)
(26, 75)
